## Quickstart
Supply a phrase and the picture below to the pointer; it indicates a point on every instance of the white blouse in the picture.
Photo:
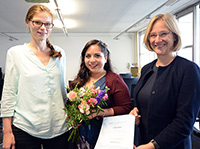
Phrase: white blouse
(33, 93)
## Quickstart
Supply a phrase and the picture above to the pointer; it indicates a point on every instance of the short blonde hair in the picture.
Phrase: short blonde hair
(171, 24)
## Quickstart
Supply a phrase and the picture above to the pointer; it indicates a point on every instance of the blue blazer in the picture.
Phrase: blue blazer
(174, 102)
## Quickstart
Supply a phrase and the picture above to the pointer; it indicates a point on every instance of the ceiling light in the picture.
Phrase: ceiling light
(51, 6)
(171, 2)
(37, 1)
(68, 23)
(67, 6)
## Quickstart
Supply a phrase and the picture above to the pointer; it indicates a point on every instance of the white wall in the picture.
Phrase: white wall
(122, 50)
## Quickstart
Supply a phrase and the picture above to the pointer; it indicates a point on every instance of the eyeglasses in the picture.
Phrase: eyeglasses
(161, 35)
(39, 24)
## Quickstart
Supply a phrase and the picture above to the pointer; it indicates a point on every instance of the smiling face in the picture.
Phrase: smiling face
(40, 33)
(95, 59)
(161, 45)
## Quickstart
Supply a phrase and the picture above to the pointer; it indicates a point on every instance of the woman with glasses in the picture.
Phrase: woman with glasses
(167, 96)
(34, 89)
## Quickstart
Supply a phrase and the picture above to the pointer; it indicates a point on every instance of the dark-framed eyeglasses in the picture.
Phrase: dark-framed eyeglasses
(161, 35)
(39, 24)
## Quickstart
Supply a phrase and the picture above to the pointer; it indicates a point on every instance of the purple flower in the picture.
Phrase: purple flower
(100, 96)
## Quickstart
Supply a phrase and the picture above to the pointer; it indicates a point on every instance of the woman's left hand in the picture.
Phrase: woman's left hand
(135, 112)
(93, 115)
(103, 113)
(145, 146)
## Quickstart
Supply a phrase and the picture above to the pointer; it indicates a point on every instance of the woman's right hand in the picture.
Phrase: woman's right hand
(135, 112)
(8, 140)
(8, 136)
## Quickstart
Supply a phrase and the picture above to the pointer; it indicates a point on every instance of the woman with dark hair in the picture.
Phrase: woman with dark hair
(167, 95)
(84, 73)
(96, 69)
(34, 89)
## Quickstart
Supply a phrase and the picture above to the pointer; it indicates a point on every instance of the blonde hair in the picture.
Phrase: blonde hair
(171, 24)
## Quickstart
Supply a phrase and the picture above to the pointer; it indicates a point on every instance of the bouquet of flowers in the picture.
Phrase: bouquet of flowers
(82, 103)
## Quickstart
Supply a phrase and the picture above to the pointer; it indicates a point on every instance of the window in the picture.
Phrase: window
(189, 22)
(145, 56)
(186, 29)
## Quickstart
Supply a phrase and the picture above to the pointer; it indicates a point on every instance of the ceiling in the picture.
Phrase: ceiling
(91, 16)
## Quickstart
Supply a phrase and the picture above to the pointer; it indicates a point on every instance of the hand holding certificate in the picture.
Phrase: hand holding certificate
(117, 132)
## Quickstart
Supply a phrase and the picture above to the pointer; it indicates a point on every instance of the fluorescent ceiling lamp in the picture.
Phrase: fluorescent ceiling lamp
(171, 2)
(37, 1)
(68, 23)
(67, 7)
(51, 6)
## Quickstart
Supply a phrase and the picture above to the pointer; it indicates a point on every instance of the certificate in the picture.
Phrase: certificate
(197, 125)
(117, 132)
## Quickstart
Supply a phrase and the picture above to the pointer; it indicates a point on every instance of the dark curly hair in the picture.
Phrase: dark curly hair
(84, 73)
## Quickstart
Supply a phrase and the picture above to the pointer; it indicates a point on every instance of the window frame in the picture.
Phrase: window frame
(194, 9)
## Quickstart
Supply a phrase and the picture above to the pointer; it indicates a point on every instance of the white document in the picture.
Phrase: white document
(197, 125)
(117, 132)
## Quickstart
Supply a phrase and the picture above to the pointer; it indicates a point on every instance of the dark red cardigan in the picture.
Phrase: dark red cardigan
(119, 97)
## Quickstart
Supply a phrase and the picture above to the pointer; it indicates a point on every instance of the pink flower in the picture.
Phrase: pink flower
(92, 87)
(95, 91)
(105, 97)
(92, 101)
(72, 95)
(84, 108)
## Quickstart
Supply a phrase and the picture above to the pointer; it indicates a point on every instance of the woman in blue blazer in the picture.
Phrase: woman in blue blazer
(167, 96)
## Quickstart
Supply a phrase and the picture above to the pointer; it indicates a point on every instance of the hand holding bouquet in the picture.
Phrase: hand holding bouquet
(83, 102)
